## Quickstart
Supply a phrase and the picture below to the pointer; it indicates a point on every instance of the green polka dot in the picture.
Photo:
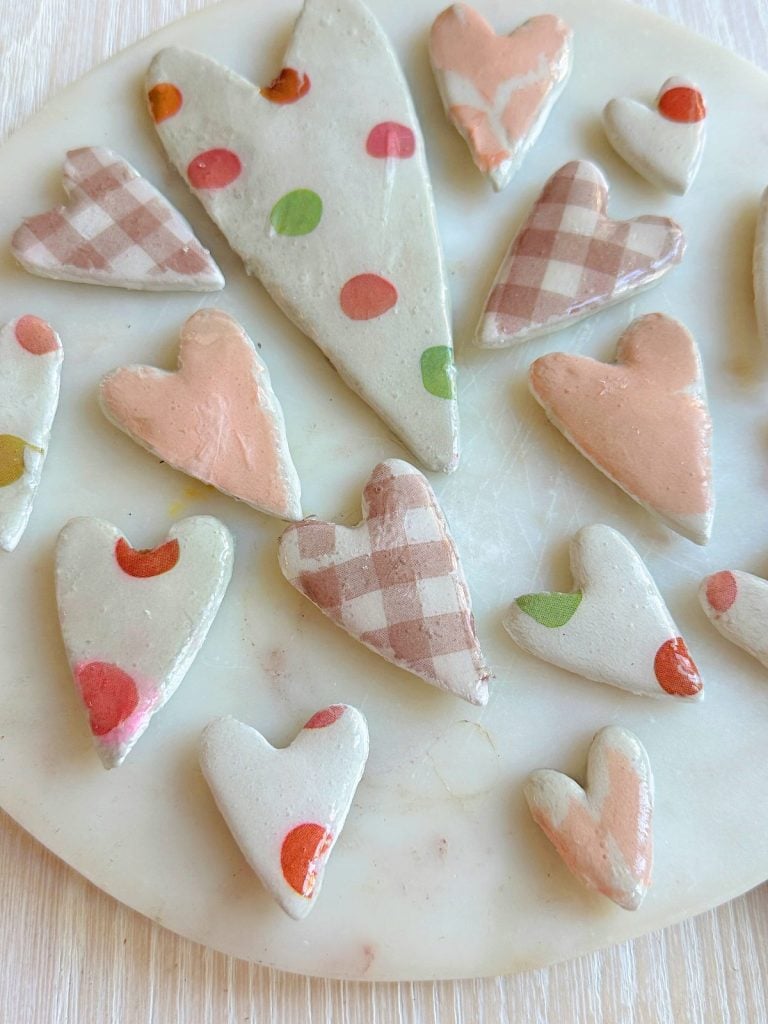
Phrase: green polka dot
(551, 610)
(12, 458)
(297, 213)
(438, 372)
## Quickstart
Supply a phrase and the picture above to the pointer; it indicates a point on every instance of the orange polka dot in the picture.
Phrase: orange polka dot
(676, 670)
(164, 101)
(302, 854)
(215, 168)
(367, 296)
(683, 104)
(146, 562)
(110, 695)
(289, 86)
(326, 717)
(721, 591)
(35, 335)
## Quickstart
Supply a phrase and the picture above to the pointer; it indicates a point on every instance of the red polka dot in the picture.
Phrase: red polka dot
(682, 104)
(390, 139)
(326, 717)
(146, 562)
(721, 591)
(215, 168)
(164, 101)
(302, 854)
(35, 335)
(289, 86)
(367, 296)
(109, 694)
(675, 669)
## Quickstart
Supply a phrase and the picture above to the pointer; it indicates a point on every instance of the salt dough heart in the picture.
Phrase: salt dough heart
(760, 271)
(642, 421)
(394, 582)
(133, 621)
(334, 214)
(216, 418)
(116, 229)
(570, 260)
(499, 90)
(286, 808)
(664, 145)
(604, 833)
(30, 371)
(737, 606)
(614, 629)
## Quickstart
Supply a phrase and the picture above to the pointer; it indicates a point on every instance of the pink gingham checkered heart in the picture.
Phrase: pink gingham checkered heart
(570, 259)
(394, 582)
(116, 229)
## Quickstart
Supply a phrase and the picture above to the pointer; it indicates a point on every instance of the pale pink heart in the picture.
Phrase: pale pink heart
(643, 421)
(216, 418)
(604, 832)
(499, 90)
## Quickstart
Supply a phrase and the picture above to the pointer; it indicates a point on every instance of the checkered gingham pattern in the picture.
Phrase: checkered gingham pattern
(394, 582)
(570, 258)
(116, 229)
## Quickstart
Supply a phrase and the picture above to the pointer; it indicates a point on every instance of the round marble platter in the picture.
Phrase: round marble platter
(440, 871)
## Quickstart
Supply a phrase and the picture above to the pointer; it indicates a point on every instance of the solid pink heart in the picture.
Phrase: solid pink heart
(216, 418)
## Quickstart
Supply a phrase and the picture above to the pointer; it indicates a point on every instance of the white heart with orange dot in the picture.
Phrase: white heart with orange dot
(286, 808)
(30, 371)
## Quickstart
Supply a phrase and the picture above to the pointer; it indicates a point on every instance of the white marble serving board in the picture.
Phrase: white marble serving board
(440, 872)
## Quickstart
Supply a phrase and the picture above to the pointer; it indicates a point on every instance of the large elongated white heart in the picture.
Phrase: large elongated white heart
(394, 582)
(30, 371)
(216, 418)
(604, 832)
(133, 620)
(614, 629)
(499, 90)
(286, 808)
(664, 145)
(116, 229)
(334, 214)
(737, 606)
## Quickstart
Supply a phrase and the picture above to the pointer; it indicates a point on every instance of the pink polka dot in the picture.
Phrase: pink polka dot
(35, 335)
(367, 296)
(390, 139)
(721, 591)
(215, 168)
(326, 717)
(109, 694)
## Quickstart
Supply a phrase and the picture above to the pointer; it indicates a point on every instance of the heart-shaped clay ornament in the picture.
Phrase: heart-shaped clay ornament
(643, 421)
(737, 605)
(116, 229)
(664, 145)
(570, 260)
(499, 90)
(614, 629)
(394, 582)
(134, 620)
(286, 808)
(333, 214)
(30, 372)
(604, 832)
(216, 418)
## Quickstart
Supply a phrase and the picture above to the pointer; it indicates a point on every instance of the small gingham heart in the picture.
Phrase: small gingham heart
(394, 582)
(570, 259)
(116, 229)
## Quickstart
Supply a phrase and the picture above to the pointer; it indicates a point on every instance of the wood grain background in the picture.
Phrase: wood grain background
(71, 955)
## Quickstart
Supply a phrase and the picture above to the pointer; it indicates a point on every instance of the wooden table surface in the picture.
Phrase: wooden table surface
(71, 955)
